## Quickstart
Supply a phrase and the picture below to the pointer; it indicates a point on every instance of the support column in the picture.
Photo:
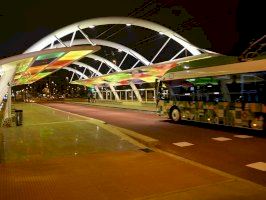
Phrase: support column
(6, 78)
(146, 95)
(114, 92)
(98, 92)
(7, 113)
(8, 106)
(136, 91)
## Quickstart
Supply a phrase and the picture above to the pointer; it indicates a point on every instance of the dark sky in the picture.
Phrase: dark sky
(224, 26)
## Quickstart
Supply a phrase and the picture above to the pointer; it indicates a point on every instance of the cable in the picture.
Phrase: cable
(132, 13)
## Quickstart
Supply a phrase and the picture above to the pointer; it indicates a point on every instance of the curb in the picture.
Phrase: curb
(150, 142)
(150, 111)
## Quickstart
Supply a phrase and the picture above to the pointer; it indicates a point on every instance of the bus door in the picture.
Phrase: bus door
(162, 92)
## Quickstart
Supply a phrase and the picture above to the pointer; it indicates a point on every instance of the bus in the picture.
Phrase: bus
(229, 94)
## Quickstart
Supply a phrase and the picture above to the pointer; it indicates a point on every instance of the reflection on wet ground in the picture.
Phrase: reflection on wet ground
(48, 133)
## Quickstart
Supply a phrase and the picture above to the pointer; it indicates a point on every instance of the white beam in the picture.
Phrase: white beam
(99, 92)
(86, 37)
(80, 64)
(160, 50)
(72, 38)
(123, 60)
(60, 41)
(107, 62)
(135, 64)
(115, 20)
(114, 92)
(136, 91)
(177, 54)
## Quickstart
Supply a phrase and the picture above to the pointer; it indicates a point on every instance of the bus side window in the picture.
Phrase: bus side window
(234, 89)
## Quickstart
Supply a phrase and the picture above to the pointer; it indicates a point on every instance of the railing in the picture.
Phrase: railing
(147, 95)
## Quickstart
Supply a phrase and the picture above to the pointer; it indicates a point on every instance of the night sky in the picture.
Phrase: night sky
(224, 26)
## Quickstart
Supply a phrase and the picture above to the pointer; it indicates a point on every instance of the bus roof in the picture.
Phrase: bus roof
(235, 68)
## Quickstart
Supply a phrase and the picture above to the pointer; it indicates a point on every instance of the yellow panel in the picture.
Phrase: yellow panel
(74, 55)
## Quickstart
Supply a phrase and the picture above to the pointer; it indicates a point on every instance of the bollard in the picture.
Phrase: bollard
(19, 117)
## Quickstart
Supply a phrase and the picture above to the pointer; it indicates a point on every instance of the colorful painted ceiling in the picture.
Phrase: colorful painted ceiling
(137, 76)
(35, 68)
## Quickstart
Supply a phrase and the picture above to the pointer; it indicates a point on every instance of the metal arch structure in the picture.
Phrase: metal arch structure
(108, 44)
(103, 60)
(51, 38)
(80, 64)
(79, 26)
(114, 45)
(76, 72)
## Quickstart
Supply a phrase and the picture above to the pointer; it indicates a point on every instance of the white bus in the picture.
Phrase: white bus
(231, 94)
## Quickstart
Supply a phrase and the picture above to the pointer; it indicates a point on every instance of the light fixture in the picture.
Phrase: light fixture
(186, 67)
(161, 33)
(128, 24)
(91, 26)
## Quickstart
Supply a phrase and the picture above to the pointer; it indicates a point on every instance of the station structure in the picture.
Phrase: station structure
(59, 39)
(47, 56)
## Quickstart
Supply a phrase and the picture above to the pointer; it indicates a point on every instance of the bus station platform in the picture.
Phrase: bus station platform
(59, 155)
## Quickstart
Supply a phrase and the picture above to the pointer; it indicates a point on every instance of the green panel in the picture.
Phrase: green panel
(204, 80)
(207, 62)
(22, 68)
(41, 75)
(117, 77)
(50, 55)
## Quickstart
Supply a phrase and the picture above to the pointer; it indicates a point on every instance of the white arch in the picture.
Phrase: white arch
(76, 71)
(108, 44)
(113, 20)
(107, 62)
(80, 64)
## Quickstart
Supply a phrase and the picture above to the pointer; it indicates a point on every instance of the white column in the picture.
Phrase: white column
(125, 95)
(114, 92)
(146, 95)
(136, 91)
(98, 92)
(9, 102)
(6, 78)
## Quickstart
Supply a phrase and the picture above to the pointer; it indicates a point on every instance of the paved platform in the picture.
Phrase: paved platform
(58, 155)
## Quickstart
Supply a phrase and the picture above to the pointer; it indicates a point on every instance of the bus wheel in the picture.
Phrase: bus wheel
(175, 115)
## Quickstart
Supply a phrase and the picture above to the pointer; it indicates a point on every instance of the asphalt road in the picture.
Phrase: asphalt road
(230, 156)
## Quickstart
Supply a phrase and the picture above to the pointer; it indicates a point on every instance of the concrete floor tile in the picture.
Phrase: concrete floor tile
(258, 165)
(221, 139)
(183, 144)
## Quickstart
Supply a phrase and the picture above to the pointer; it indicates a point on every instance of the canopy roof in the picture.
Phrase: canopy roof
(34, 66)
(145, 74)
